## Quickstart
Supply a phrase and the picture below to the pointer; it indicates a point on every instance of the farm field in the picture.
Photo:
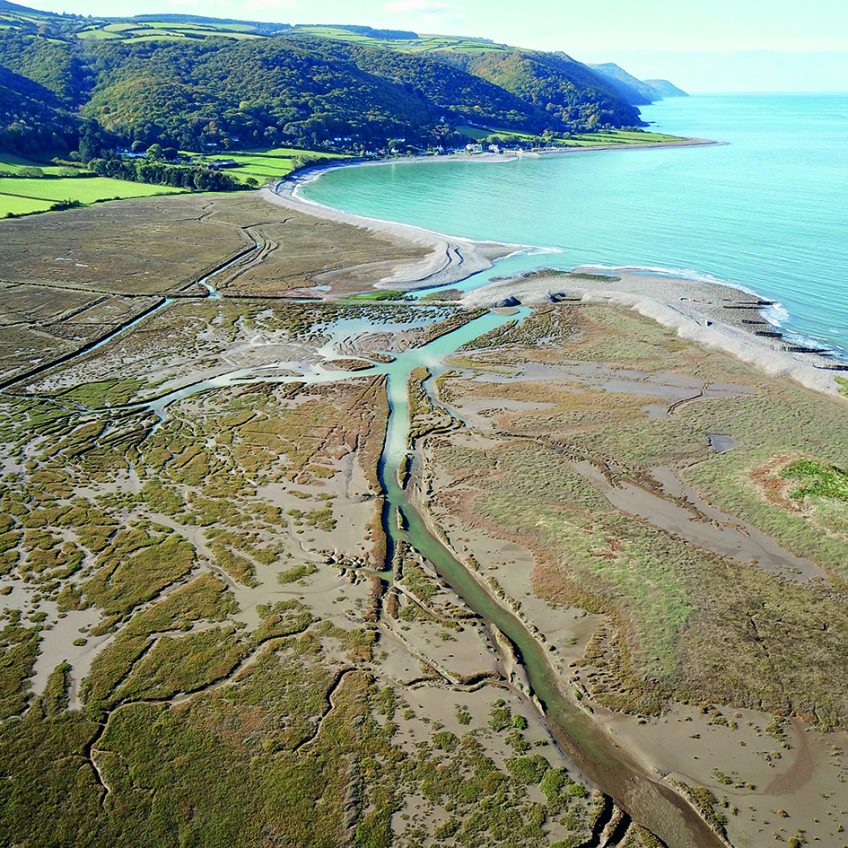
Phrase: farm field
(599, 139)
(422, 43)
(149, 29)
(136, 32)
(267, 165)
(23, 195)
(11, 163)
(623, 137)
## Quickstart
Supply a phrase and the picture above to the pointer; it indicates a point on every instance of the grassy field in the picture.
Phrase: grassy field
(477, 133)
(22, 196)
(164, 31)
(17, 205)
(623, 137)
(134, 31)
(600, 139)
(25, 195)
(102, 29)
(421, 44)
(10, 163)
(137, 31)
(266, 165)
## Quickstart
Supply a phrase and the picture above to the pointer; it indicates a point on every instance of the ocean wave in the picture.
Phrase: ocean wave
(801, 340)
(776, 314)
(543, 251)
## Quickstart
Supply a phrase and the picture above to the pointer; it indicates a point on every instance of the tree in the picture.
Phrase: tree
(155, 152)
(92, 141)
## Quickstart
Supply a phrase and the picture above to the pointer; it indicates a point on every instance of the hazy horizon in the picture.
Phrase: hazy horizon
(704, 49)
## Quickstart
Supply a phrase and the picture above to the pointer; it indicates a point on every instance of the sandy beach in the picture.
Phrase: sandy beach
(450, 260)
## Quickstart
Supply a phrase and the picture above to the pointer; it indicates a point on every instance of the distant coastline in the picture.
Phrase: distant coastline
(308, 173)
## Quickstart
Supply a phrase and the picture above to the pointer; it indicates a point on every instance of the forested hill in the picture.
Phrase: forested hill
(666, 88)
(636, 91)
(633, 90)
(196, 83)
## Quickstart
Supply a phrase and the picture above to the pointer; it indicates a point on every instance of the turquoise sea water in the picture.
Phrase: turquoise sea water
(768, 210)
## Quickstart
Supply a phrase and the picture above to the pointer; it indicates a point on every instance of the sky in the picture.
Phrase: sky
(719, 45)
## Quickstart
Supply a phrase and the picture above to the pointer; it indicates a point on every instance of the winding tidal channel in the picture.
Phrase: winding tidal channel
(625, 781)
(647, 801)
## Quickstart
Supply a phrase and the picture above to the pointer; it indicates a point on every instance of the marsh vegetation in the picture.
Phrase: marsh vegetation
(200, 636)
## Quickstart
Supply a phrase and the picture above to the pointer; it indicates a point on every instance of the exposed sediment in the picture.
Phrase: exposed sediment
(449, 260)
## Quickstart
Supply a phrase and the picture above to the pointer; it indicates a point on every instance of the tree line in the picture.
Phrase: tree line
(157, 172)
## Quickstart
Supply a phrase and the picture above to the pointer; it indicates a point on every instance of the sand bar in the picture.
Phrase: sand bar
(713, 314)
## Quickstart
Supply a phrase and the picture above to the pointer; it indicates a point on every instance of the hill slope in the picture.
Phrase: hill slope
(666, 88)
(568, 90)
(31, 118)
(205, 83)
(260, 91)
(633, 90)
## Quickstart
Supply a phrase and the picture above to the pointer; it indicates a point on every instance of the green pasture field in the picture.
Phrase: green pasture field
(11, 163)
(24, 196)
(421, 44)
(132, 31)
(620, 137)
(267, 165)
(599, 139)
(97, 34)
(13, 205)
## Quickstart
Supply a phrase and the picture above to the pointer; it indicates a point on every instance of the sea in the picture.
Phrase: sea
(766, 210)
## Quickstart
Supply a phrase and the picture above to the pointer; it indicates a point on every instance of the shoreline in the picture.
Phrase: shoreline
(669, 300)
(455, 258)
(309, 173)
(451, 258)
(312, 172)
